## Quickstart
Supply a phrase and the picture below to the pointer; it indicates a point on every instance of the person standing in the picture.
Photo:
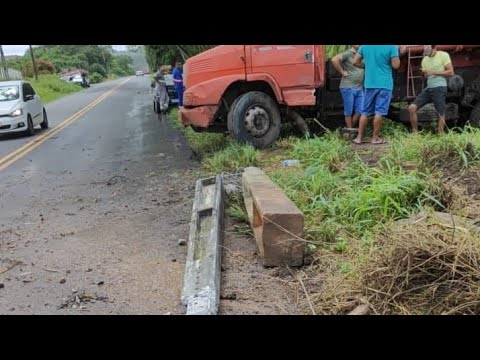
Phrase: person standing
(161, 94)
(178, 82)
(380, 61)
(351, 85)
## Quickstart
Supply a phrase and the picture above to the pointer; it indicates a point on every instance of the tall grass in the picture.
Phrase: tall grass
(50, 87)
(202, 143)
(460, 148)
(339, 194)
(233, 157)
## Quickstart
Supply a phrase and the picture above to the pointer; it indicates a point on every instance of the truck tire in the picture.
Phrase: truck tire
(475, 116)
(231, 131)
(254, 118)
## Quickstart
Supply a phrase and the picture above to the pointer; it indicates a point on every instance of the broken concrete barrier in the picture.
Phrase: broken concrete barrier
(275, 220)
(201, 286)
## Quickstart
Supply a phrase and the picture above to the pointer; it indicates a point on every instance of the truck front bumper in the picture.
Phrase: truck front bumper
(200, 116)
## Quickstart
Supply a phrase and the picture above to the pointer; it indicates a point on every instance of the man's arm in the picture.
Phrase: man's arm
(395, 63)
(357, 61)
(337, 63)
(361, 65)
(395, 57)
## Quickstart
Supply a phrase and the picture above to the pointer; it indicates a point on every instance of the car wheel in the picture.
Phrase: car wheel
(30, 131)
(44, 124)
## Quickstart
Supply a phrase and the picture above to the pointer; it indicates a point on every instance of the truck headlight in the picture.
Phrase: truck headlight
(17, 112)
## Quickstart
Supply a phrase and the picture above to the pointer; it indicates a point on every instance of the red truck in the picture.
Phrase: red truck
(250, 89)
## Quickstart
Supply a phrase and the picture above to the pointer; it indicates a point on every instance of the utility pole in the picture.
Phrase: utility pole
(4, 64)
(33, 62)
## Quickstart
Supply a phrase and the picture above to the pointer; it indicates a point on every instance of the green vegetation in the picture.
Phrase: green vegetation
(168, 54)
(101, 61)
(354, 200)
(50, 87)
(202, 143)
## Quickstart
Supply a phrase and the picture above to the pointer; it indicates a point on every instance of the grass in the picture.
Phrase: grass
(339, 194)
(51, 87)
(202, 143)
(352, 200)
(351, 206)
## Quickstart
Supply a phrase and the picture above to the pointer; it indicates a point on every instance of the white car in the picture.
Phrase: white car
(79, 80)
(20, 108)
(139, 73)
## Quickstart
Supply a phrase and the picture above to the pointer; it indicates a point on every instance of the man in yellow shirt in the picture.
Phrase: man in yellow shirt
(436, 67)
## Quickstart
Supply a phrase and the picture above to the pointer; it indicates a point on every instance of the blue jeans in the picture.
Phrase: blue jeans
(179, 91)
(377, 102)
(352, 101)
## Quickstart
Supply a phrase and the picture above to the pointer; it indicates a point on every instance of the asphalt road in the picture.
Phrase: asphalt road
(90, 218)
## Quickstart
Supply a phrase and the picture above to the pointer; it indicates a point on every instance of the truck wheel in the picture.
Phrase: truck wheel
(254, 118)
(231, 131)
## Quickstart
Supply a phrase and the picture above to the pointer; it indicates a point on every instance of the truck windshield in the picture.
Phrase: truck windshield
(9, 93)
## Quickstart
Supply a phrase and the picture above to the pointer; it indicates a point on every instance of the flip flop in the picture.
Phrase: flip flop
(357, 143)
(382, 141)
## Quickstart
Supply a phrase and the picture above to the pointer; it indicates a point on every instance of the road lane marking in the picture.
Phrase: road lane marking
(39, 140)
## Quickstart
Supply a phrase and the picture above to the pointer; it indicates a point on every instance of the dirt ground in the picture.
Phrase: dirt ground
(109, 245)
(247, 288)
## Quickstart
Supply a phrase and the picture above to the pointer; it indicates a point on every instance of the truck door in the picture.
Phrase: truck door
(290, 65)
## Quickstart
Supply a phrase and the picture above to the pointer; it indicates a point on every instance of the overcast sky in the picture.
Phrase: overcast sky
(20, 49)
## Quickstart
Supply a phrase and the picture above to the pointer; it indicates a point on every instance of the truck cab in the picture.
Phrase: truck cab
(248, 89)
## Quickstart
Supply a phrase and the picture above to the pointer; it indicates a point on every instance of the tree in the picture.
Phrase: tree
(99, 69)
(168, 54)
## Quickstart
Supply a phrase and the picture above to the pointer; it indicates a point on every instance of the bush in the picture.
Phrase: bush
(44, 67)
(96, 78)
(97, 68)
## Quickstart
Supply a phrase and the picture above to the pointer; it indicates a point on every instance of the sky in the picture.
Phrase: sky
(20, 49)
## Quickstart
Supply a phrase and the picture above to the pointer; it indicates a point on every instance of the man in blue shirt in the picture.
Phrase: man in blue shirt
(178, 82)
(379, 61)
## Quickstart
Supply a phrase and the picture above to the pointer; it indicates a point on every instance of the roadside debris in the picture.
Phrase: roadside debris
(8, 264)
(228, 296)
(360, 310)
(232, 188)
(291, 163)
(78, 300)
